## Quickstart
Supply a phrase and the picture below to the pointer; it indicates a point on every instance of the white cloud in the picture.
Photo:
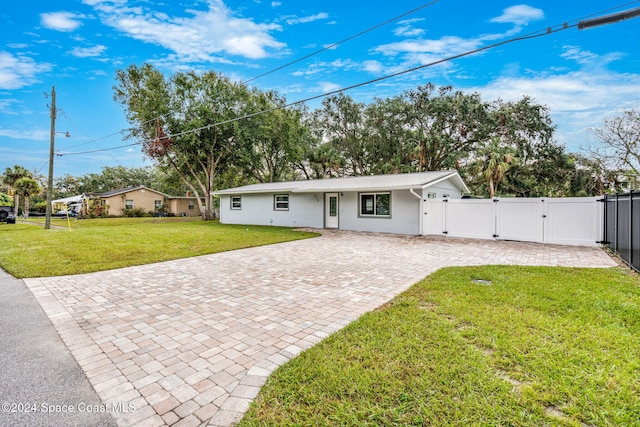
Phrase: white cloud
(31, 134)
(307, 19)
(276, 4)
(19, 71)
(416, 51)
(406, 29)
(577, 99)
(60, 21)
(326, 87)
(585, 57)
(87, 52)
(447, 45)
(196, 38)
(372, 66)
(519, 15)
(6, 106)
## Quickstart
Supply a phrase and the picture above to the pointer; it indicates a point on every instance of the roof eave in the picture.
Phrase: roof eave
(457, 178)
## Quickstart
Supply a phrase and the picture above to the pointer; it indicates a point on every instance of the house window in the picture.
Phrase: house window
(236, 202)
(157, 204)
(281, 202)
(192, 204)
(128, 204)
(375, 204)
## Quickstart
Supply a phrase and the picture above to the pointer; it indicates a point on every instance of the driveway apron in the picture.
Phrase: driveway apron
(41, 384)
(191, 341)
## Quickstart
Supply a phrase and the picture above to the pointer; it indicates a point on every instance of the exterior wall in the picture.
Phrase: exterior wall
(180, 206)
(305, 210)
(142, 199)
(443, 188)
(404, 219)
(308, 210)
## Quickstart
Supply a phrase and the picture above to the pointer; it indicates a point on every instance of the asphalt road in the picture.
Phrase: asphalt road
(41, 383)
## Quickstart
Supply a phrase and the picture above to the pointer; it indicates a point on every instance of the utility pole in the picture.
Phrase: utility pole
(47, 220)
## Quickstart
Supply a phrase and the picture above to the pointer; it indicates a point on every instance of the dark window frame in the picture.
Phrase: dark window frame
(373, 206)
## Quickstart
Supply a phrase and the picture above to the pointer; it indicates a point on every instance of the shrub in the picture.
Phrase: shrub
(137, 213)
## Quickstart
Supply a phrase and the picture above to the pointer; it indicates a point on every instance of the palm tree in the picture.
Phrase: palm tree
(493, 162)
(27, 187)
(10, 177)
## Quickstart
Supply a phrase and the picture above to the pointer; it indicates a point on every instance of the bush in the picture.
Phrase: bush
(137, 213)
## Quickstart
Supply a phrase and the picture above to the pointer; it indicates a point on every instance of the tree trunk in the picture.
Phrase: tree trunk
(16, 202)
(491, 190)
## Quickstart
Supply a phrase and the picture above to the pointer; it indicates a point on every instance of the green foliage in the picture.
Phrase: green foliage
(188, 123)
(117, 177)
(135, 213)
(492, 162)
(10, 177)
(27, 187)
(271, 143)
(524, 346)
(40, 206)
(6, 200)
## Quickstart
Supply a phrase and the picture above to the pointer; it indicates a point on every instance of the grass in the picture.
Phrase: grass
(93, 245)
(493, 345)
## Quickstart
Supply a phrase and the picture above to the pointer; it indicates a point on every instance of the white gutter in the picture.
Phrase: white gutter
(420, 212)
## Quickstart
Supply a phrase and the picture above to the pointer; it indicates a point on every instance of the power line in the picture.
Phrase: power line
(121, 131)
(295, 61)
(323, 95)
(272, 71)
(532, 35)
(66, 116)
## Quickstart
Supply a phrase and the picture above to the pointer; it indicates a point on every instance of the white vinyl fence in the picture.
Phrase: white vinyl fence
(568, 221)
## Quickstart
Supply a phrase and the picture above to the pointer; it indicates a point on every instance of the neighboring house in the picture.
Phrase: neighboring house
(381, 203)
(114, 203)
(71, 204)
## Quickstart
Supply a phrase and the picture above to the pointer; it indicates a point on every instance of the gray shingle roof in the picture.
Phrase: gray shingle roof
(357, 183)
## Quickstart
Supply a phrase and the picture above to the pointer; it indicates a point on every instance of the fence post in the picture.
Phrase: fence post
(615, 228)
(630, 229)
(605, 222)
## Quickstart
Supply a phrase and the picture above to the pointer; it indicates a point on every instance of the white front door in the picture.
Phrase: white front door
(331, 210)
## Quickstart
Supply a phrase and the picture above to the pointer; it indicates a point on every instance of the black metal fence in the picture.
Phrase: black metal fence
(622, 226)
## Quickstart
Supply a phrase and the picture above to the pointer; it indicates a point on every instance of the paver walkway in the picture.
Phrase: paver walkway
(190, 342)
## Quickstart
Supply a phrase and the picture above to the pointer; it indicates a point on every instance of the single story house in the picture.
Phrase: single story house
(380, 203)
(117, 201)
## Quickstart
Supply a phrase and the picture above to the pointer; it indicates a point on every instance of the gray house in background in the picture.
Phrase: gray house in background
(380, 203)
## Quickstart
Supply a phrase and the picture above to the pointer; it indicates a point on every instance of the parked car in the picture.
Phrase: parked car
(64, 214)
(7, 215)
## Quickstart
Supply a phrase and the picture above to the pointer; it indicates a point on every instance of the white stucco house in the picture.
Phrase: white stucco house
(380, 203)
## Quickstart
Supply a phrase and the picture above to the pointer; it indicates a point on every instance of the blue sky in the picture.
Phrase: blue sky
(582, 76)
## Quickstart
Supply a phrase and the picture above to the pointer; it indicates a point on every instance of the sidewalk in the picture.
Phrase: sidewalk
(41, 384)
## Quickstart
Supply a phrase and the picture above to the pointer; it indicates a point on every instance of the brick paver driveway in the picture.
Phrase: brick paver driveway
(192, 340)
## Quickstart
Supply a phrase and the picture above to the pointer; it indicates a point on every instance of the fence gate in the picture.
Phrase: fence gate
(520, 219)
(572, 221)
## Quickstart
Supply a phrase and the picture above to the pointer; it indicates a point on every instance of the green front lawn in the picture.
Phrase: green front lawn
(476, 346)
(102, 244)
